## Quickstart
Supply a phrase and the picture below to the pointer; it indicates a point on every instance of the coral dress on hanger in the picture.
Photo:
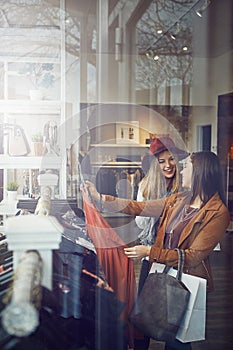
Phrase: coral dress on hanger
(118, 269)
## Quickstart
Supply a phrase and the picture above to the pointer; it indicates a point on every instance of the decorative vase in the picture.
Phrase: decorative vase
(36, 95)
(38, 149)
(12, 195)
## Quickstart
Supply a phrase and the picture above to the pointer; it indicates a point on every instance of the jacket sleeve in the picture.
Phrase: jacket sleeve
(152, 208)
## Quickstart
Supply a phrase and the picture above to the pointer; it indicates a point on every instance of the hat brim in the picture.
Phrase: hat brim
(179, 153)
(148, 157)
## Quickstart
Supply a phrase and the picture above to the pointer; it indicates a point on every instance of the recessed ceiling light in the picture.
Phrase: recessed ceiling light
(149, 53)
(199, 11)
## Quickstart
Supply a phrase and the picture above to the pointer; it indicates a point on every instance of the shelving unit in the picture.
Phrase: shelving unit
(120, 145)
(47, 161)
(43, 44)
(22, 107)
(117, 166)
(117, 154)
(26, 114)
(113, 165)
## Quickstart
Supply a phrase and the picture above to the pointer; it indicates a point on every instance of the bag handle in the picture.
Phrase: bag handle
(181, 258)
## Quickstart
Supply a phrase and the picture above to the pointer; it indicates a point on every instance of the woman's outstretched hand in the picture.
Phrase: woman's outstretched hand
(137, 252)
(92, 190)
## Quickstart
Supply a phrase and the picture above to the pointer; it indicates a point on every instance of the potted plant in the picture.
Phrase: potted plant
(41, 76)
(12, 188)
(38, 145)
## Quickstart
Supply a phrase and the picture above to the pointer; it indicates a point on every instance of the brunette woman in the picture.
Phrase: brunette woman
(194, 221)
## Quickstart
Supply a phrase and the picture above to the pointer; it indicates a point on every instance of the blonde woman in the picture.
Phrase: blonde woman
(161, 180)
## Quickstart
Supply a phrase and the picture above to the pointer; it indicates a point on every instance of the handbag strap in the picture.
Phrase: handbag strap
(181, 257)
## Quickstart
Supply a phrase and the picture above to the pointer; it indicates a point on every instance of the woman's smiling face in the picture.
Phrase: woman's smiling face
(167, 164)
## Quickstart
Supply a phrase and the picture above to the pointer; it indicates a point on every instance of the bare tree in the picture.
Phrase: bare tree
(164, 32)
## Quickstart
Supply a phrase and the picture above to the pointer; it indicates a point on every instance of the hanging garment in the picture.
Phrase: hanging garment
(106, 181)
(118, 269)
(123, 186)
(50, 136)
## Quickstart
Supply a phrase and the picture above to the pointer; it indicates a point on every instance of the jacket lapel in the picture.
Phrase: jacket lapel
(173, 205)
(212, 205)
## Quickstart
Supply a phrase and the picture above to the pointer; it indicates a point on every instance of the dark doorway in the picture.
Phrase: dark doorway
(225, 141)
(204, 137)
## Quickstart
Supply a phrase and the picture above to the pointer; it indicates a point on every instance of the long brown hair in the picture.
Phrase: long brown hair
(206, 176)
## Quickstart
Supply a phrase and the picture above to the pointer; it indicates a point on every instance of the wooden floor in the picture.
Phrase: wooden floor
(219, 322)
(219, 319)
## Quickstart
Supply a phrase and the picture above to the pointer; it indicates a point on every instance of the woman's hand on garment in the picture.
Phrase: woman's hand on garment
(92, 190)
(138, 251)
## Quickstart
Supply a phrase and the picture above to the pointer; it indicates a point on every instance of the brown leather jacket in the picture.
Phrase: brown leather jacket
(199, 238)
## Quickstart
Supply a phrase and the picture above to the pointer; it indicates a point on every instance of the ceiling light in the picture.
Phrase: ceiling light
(149, 53)
(159, 31)
(185, 48)
(156, 57)
(199, 11)
(175, 30)
(173, 36)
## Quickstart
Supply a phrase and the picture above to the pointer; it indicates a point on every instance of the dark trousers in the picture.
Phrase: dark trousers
(177, 345)
(142, 344)
(143, 274)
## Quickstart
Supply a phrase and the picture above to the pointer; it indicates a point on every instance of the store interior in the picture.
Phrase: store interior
(85, 86)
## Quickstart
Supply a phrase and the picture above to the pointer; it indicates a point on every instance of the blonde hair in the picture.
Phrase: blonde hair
(153, 185)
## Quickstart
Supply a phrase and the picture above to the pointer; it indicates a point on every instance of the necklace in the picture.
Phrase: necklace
(185, 214)
(177, 224)
(188, 212)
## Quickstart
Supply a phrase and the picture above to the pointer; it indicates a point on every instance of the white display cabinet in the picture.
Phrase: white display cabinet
(33, 60)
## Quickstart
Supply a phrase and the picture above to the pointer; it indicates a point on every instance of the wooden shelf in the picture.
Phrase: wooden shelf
(30, 107)
(116, 164)
(45, 162)
(134, 145)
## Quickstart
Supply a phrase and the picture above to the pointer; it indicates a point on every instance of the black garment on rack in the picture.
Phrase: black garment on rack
(98, 309)
(106, 181)
(89, 317)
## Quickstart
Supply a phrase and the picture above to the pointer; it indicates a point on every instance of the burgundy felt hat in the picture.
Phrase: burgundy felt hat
(158, 145)
(165, 143)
